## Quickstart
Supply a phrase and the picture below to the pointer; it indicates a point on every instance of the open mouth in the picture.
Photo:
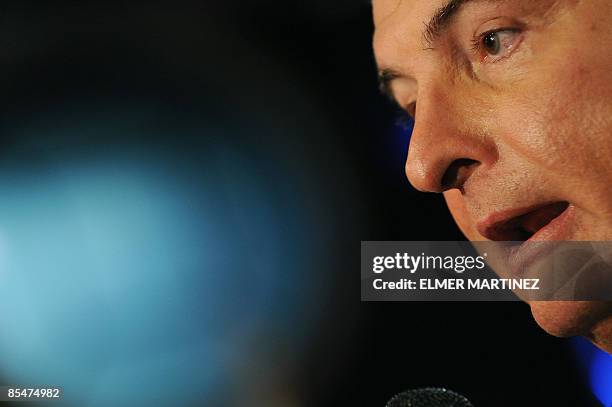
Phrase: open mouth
(521, 225)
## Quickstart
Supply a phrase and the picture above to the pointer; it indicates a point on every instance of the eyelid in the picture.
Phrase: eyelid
(477, 46)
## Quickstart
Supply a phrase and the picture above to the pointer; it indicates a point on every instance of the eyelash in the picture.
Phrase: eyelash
(477, 42)
(406, 116)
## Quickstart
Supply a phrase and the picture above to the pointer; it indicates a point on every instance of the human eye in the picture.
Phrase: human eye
(495, 45)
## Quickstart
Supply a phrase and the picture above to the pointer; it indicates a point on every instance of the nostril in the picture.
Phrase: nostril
(457, 173)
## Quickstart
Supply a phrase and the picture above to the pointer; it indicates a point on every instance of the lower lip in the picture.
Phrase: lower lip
(541, 243)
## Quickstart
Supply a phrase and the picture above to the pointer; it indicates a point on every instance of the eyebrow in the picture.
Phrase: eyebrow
(441, 19)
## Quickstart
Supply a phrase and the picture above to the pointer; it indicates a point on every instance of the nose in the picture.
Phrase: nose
(445, 149)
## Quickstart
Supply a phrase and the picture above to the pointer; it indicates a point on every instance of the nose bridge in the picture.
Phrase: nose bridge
(443, 141)
(440, 135)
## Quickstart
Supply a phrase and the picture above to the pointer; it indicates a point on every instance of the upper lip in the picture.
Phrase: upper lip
(519, 224)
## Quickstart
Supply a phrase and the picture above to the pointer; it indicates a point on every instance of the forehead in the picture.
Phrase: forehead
(399, 26)
(386, 9)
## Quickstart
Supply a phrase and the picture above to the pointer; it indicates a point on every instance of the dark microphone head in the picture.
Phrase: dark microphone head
(429, 398)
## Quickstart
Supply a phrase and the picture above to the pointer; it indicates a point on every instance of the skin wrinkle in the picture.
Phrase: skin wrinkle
(390, 14)
(442, 18)
(538, 122)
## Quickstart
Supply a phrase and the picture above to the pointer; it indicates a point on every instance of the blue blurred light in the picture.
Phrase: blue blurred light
(601, 377)
(395, 144)
(598, 364)
(404, 129)
(145, 274)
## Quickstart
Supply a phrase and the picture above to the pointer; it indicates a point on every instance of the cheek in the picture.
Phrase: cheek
(539, 124)
(457, 207)
(557, 113)
(560, 127)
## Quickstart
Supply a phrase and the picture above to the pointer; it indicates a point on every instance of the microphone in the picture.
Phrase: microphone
(429, 397)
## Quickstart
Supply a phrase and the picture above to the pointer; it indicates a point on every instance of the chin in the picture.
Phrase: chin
(570, 318)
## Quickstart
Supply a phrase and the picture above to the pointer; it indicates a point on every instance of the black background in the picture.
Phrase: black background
(298, 67)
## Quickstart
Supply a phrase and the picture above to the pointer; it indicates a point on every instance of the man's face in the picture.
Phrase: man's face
(513, 118)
